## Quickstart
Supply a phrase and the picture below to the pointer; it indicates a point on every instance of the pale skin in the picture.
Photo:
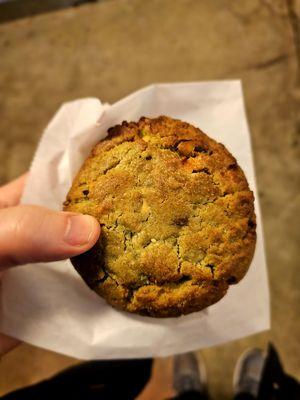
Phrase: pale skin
(35, 234)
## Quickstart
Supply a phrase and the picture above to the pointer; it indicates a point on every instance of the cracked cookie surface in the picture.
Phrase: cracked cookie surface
(177, 218)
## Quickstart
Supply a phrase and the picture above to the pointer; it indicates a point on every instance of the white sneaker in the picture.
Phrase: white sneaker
(189, 374)
(248, 372)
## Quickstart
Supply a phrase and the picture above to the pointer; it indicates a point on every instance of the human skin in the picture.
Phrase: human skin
(30, 234)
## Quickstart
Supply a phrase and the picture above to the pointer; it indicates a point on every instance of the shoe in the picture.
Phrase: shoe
(248, 372)
(189, 374)
(260, 375)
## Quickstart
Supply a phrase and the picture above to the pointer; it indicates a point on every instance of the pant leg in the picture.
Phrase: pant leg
(192, 395)
(94, 380)
(275, 383)
(243, 396)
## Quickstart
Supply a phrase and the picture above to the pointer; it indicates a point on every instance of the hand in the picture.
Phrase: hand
(31, 234)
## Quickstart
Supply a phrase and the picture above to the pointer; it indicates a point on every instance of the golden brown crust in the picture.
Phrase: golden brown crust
(177, 218)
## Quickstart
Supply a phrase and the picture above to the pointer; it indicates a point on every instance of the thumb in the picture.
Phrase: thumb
(33, 234)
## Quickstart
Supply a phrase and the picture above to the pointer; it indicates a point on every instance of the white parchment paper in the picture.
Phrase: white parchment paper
(48, 305)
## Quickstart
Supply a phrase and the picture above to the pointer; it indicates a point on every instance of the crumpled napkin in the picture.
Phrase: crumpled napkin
(48, 305)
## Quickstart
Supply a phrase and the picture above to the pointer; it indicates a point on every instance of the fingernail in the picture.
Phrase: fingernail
(79, 230)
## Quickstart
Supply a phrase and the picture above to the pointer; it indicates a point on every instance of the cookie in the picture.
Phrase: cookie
(176, 214)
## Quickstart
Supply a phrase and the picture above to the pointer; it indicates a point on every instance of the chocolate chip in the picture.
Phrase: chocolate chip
(212, 268)
(183, 279)
(200, 149)
(175, 146)
(181, 221)
(144, 311)
(148, 158)
(85, 192)
(231, 280)
(232, 166)
(251, 224)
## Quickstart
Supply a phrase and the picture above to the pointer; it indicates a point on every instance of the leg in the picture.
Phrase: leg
(260, 376)
(103, 380)
(275, 383)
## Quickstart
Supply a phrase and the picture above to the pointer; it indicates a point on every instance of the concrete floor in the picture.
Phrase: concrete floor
(110, 48)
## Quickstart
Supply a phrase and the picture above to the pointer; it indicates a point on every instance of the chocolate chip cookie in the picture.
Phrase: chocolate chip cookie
(176, 214)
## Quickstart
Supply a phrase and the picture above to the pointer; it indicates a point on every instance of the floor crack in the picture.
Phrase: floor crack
(272, 61)
(295, 26)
